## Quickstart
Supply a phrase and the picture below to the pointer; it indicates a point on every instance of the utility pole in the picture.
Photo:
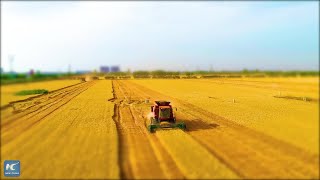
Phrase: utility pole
(69, 69)
(11, 59)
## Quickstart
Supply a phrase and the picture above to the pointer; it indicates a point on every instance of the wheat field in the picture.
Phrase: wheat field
(254, 104)
(236, 128)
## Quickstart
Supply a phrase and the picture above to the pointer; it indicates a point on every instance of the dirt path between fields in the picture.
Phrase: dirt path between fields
(250, 153)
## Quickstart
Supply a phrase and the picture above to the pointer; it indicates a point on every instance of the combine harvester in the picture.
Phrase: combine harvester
(161, 116)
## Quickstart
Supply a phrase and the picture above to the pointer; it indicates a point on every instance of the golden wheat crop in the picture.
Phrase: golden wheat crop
(251, 102)
(78, 140)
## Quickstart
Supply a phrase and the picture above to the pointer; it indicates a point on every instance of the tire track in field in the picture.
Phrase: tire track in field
(135, 150)
(15, 124)
(251, 153)
(138, 150)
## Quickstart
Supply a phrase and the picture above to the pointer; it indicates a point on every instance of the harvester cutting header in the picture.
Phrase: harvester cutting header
(161, 116)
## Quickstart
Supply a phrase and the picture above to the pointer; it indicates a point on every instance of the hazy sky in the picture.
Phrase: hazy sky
(160, 35)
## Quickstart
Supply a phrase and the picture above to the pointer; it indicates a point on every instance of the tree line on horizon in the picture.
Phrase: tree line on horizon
(245, 72)
(8, 78)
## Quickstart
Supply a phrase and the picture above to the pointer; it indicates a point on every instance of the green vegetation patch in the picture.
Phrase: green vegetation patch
(33, 91)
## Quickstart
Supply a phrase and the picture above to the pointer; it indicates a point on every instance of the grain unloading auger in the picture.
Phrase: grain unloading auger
(161, 116)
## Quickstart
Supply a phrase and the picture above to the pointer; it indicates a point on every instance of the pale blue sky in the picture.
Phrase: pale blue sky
(160, 35)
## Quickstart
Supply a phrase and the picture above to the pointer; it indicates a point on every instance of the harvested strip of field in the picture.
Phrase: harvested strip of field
(251, 153)
(8, 91)
(141, 156)
(193, 159)
(138, 157)
(74, 141)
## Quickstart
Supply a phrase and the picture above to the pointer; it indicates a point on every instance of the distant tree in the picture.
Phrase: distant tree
(141, 73)
(128, 71)
(188, 73)
(245, 71)
(159, 73)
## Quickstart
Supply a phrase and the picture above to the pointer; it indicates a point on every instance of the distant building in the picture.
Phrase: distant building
(104, 69)
(31, 72)
(115, 69)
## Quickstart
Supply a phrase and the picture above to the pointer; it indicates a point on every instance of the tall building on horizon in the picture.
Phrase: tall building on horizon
(115, 69)
(104, 69)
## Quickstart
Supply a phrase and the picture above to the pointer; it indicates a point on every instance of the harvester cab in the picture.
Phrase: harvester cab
(162, 117)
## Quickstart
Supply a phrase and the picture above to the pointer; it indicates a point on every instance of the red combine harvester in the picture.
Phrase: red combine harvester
(161, 116)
